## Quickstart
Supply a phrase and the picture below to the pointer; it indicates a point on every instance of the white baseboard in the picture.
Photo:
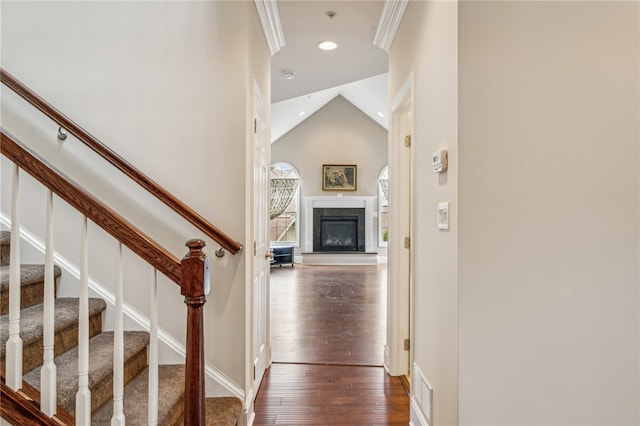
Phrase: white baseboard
(386, 358)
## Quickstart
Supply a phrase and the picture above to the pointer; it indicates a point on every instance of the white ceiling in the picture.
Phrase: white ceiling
(369, 95)
(356, 69)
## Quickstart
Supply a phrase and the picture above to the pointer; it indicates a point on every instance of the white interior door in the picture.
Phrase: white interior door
(260, 296)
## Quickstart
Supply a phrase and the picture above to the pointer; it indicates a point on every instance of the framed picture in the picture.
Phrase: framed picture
(339, 177)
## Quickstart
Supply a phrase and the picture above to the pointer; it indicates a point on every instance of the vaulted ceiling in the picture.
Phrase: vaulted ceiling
(369, 95)
(356, 69)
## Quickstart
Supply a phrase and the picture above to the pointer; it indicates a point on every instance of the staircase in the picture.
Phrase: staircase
(219, 411)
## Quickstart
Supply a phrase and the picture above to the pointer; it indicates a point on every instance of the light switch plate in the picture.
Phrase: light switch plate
(443, 216)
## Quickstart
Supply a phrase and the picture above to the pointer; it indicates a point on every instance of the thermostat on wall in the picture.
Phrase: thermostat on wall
(439, 161)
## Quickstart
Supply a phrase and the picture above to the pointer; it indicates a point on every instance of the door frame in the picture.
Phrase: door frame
(400, 268)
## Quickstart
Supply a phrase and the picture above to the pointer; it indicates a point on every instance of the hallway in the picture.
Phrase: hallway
(328, 328)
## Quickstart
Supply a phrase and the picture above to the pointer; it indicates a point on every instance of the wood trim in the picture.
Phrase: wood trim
(406, 384)
(22, 407)
(196, 275)
(92, 208)
(121, 164)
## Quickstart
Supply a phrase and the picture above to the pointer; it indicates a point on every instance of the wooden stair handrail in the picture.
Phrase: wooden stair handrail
(95, 210)
(190, 274)
(23, 407)
(120, 163)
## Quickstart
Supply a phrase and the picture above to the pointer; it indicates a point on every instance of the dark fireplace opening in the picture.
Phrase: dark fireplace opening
(339, 230)
(338, 233)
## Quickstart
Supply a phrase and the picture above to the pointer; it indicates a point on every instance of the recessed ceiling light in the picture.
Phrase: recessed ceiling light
(288, 75)
(380, 114)
(302, 113)
(327, 45)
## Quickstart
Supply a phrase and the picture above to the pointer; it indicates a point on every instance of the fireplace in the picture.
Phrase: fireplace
(338, 233)
(338, 230)
(311, 206)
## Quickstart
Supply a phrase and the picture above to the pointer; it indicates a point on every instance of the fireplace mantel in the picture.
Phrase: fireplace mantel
(309, 203)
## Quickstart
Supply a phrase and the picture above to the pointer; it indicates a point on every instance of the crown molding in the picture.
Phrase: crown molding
(271, 26)
(390, 19)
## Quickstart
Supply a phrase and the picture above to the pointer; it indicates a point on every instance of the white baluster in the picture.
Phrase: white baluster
(153, 353)
(48, 371)
(118, 347)
(14, 344)
(83, 397)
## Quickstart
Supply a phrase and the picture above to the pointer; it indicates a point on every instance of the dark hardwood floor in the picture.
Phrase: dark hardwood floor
(329, 314)
(328, 328)
(304, 394)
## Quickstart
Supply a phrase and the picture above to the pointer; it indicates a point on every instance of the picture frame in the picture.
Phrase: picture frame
(339, 177)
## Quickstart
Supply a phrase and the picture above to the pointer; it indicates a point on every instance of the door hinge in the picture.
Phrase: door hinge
(407, 344)
(407, 141)
(407, 242)
(255, 125)
(255, 248)
(254, 372)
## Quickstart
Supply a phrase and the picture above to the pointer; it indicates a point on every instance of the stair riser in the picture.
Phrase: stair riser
(30, 295)
(4, 254)
(102, 392)
(65, 339)
(177, 414)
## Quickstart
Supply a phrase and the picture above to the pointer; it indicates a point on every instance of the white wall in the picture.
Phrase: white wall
(167, 85)
(547, 249)
(548, 256)
(426, 45)
(338, 133)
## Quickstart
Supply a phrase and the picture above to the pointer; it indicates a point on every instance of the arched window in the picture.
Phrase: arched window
(383, 207)
(285, 204)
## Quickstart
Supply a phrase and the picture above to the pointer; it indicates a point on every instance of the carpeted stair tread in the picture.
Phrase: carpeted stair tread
(136, 401)
(100, 366)
(29, 274)
(31, 285)
(223, 411)
(66, 314)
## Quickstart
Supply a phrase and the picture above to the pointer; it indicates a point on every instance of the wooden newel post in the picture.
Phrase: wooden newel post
(195, 286)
